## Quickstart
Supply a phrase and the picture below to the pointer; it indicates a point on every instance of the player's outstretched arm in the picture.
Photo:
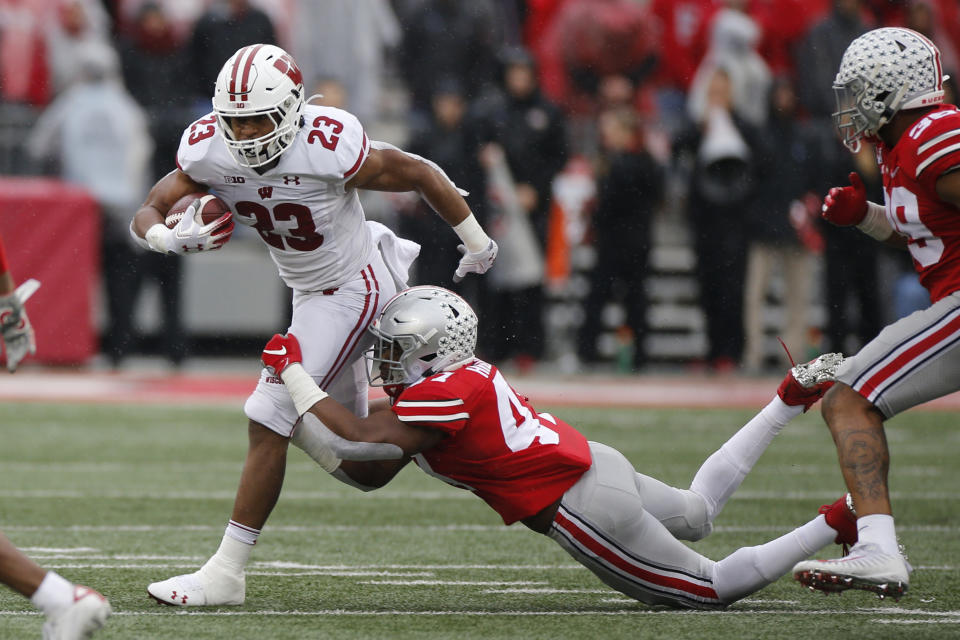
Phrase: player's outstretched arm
(379, 436)
(394, 170)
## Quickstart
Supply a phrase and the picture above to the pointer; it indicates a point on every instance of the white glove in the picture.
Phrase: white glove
(189, 236)
(15, 327)
(479, 262)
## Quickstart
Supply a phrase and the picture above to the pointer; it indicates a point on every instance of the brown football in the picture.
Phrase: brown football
(210, 209)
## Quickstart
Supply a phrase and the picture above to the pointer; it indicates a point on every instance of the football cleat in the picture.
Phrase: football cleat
(207, 587)
(88, 612)
(842, 517)
(866, 567)
(806, 383)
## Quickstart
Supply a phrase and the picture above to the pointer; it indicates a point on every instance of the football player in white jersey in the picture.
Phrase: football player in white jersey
(291, 170)
(460, 420)
(890, 92)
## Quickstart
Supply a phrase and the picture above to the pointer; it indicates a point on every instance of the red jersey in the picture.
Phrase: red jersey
(497, 445)
(928, 150)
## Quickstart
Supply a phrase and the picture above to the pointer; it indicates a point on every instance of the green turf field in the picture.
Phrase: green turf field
(119, 496)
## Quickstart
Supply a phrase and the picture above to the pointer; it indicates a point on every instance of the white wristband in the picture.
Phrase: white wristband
(472, 234)
(875, 223)
(143, 244)
(158, 238)
(302, 389)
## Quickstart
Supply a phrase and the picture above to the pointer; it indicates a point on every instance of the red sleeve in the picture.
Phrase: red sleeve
(434, 403)
(938, 150)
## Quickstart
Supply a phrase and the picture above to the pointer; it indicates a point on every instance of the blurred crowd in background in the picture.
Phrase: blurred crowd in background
(611, 147)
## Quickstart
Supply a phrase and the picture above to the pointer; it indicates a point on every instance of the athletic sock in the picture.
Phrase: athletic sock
(54, 593)
(749, 569)
(235, 548)
(878, 529)
(724, 471)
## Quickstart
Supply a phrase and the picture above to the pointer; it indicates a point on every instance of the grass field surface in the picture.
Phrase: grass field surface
(117, 496)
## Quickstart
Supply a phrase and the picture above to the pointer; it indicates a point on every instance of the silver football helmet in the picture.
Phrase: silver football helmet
(260, 79)
(421, 331)
(882, 72)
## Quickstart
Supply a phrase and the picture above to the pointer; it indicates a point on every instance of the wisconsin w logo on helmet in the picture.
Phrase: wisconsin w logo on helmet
(882, 72)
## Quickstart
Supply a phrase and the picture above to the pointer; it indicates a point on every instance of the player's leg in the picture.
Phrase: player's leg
(602, 523)
(914, 360)
(332, 331)
(17, 571)
(689, 514)
(72, 610)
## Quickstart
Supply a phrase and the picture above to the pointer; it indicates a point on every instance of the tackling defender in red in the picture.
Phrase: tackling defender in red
(459, 420)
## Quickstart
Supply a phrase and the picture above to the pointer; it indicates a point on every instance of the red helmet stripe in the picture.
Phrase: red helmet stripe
(936, 59)
(244, 59)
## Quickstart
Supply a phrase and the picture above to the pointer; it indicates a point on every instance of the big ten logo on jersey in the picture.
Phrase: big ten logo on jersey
(234, 180)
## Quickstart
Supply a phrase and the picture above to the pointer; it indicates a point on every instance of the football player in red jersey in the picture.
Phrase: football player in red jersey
(890, 92)
(72, 611)
(459, 420)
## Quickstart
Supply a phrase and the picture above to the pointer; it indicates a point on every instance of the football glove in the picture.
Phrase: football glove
(15, 327)
(188, 236)
(281, 351)
(478, 262)
(846, 206)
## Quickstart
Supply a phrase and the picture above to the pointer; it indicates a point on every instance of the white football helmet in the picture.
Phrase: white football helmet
(260, 79)
(422, 331)
(882, 72)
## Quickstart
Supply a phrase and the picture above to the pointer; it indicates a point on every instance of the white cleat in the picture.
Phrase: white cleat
(866, 567)
(88, 613)
(204, 588)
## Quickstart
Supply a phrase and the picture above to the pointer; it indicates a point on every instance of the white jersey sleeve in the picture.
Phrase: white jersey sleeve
(195, 144)
(340, 145)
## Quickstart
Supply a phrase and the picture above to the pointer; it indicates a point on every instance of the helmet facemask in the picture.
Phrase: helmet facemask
(860, 115)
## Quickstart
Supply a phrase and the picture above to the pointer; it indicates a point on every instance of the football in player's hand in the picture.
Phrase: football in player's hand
(209, 208)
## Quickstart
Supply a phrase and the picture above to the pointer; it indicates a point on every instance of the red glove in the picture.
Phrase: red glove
(846, 206)
(281, 352)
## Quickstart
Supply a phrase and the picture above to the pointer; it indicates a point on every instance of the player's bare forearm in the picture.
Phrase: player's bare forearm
(390, 170)
(379, 427)
(162, 196)
(948, 188)
(373, 474)
(897, 241)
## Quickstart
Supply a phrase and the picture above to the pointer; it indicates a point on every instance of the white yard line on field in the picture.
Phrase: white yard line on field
(943, 617)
